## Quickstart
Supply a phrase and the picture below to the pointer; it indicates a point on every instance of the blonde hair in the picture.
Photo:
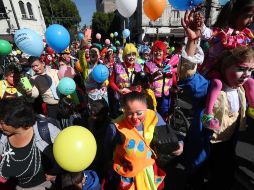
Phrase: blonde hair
(129, 48)
(236, 56)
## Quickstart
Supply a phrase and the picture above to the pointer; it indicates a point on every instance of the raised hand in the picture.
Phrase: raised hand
(193, 22)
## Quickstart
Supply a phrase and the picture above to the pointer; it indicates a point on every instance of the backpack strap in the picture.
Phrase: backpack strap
(3, 141)
(43, 130)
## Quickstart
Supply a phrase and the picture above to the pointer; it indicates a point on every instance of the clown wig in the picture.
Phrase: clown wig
(159, 45)
(130, 48)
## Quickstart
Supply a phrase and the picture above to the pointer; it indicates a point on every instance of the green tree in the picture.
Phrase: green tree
(62, 12)
(105, 23)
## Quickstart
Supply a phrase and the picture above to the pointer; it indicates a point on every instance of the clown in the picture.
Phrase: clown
(161, 71)
(122, 76)
(123, 73)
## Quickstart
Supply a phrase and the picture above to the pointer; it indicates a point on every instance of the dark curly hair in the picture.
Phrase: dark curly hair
(17, 112)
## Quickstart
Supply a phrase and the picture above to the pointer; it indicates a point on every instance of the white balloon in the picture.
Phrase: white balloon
(126, 7)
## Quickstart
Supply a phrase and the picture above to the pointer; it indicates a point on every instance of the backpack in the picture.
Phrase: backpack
(43, 128)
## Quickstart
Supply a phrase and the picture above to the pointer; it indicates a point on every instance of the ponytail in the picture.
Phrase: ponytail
(224, 16)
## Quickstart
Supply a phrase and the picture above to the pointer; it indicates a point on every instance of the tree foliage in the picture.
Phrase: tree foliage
(62, 12)
(105, 23)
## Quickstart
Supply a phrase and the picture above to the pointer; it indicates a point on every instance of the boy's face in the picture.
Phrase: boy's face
(237, 75)
(12, 78)
(38, 67)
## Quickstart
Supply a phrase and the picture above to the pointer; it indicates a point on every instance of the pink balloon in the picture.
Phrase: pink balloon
(98, 36)
(107, 41)
(66, 71)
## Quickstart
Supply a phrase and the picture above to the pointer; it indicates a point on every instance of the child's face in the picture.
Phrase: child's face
(245, 19)
(94, 56)
(10, 78)
(135, 112)
(237, 75)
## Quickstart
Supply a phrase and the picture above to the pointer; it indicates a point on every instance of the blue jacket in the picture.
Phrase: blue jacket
(197, 141)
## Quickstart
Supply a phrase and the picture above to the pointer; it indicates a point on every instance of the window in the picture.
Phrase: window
(175, 14)
(30, 10)
(3, 14)
(175, 18)
(22, 9)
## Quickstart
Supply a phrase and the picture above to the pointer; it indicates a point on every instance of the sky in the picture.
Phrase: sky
(86, 9)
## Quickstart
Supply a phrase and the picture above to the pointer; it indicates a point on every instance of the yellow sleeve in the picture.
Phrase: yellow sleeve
(1, 89)
(152, 96)
(83, 64)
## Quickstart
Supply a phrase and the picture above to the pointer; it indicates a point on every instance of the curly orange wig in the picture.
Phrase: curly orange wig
(161, 46)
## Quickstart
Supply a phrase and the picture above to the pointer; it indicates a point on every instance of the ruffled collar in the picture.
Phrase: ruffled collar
(231, 38)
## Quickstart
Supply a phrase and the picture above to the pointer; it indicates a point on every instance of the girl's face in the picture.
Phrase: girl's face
(135, 112)
(245, 19)
(130, 58)
(237, 75)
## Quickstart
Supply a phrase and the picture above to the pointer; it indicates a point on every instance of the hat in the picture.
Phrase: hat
(66, 51)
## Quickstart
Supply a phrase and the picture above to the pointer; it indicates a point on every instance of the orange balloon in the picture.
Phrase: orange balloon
(154, 8)
(78, 66)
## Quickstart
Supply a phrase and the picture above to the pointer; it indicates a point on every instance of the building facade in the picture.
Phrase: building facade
(18, 14)
(168, 25)
(105, 6)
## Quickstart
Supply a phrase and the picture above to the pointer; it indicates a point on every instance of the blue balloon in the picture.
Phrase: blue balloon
(126, 33)
(29, 42)
(181, 5)
(66, 86)
(100, 73)
(196, 2)
(80, 36)
(116, 34)
(57, 37)
(223, 2)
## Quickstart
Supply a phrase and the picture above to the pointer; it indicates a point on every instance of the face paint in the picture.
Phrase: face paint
(158, 54)
(135, 112)
(130, 58)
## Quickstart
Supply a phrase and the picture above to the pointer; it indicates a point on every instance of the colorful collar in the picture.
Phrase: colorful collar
(231, 38)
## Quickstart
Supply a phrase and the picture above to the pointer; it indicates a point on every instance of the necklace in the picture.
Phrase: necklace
(34, 155)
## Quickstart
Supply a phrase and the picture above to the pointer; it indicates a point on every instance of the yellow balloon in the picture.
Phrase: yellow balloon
(112, 35)
(74, 148)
